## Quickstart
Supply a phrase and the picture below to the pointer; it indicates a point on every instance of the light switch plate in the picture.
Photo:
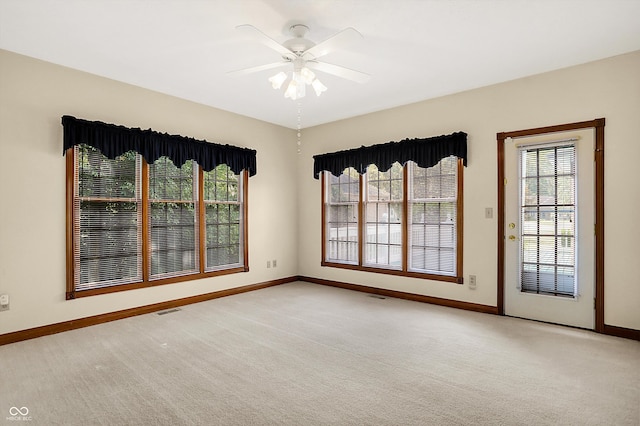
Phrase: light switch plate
(4, 302)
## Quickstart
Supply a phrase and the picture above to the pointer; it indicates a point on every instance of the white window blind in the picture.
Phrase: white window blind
(107, 214)
(173, 224)
(432, 213)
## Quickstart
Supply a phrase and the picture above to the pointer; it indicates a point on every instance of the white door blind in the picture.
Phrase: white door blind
(107, 208)
(548, 218)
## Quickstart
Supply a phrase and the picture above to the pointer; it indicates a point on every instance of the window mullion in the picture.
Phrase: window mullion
(146, 234)
(324, 179)
(405, 216)
(459, 219)
(244, 176)
(72, 234)
(202, 223)
(361, 218)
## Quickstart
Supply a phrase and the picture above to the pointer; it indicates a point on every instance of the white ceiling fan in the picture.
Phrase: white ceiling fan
(303, 55)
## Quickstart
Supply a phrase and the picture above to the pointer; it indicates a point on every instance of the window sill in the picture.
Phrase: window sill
(411, 274)
(153, 283)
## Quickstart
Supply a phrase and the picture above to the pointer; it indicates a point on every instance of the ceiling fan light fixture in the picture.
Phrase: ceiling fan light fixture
(296, 88)
(318, 87)
(293, 90)
(277, 80)
(307, 75)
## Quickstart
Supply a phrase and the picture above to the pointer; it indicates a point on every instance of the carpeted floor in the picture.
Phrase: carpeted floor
(305, 354)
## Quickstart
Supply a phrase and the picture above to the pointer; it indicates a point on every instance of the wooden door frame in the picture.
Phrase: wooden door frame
(598, 126)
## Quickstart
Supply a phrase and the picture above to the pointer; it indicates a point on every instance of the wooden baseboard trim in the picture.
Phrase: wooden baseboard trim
(408, 296)
(46, 330)
(627, 333)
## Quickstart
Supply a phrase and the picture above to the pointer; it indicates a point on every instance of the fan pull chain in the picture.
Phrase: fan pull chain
(299, 125)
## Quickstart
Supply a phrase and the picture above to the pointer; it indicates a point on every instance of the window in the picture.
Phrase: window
(224, 224)
(342, 217)
(383, 217)
(173, 218)
(133, 224)
(548, 219)
(107, 219)
(403, 221)
(433, 215)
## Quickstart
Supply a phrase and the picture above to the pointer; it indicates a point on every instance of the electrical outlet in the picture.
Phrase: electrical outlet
(4, 302)
(268, 264)
(472, 281)
(274, 263)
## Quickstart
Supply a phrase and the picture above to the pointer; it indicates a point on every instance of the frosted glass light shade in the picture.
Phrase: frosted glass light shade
(277, 80)
(307, 75)
(318, 87)
(292, 90)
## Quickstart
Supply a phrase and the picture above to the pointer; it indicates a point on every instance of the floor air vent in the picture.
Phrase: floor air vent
(170, 311)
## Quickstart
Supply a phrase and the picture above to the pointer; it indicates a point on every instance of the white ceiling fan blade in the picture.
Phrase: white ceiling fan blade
(339, 71)
(334, 42)
(265, 39)
(251, 70)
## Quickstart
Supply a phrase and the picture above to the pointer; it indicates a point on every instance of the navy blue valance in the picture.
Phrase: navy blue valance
(426, 152)
(113, 140)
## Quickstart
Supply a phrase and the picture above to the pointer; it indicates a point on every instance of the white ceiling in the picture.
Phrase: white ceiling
(413, 50)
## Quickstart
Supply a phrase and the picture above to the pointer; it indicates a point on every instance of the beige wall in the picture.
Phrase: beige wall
(33, 97)
(609, 88)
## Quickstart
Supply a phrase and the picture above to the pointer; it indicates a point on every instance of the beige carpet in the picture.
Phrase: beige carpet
(305, 354)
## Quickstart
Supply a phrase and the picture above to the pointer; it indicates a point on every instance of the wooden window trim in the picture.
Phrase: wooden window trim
(460, 224)
(404, 272)
(323, 217)
(71, 246)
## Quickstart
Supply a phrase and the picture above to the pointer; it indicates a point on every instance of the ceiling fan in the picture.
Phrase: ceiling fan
(303, 54)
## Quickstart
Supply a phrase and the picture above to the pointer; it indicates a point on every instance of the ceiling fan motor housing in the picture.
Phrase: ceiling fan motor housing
(298, 44)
